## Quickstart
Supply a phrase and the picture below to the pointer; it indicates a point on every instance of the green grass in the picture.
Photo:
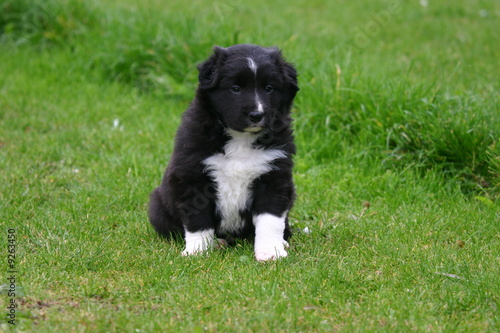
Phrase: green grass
(397, 171)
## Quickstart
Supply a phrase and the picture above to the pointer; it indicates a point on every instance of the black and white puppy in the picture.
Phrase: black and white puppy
(230, 174)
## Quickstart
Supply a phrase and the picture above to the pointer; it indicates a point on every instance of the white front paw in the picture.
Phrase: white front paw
(270, 252)
(269, 231)
(195, 248)
(198, 242)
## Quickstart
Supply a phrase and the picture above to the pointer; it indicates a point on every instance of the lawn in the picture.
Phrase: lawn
(397, 173)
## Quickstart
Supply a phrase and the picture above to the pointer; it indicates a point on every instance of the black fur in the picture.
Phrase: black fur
(186, 198)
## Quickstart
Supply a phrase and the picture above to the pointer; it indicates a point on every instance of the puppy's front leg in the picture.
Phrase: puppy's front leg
(197, 219)
(269, 241)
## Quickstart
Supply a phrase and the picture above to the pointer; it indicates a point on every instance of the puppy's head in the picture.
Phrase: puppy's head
(249, 87)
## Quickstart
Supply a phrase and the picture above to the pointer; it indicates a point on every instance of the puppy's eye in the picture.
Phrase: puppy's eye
(269, 89)
(236, 89)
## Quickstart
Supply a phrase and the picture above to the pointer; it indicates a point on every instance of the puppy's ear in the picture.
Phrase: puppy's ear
(209, 70)
(291, 76)
(287, 69)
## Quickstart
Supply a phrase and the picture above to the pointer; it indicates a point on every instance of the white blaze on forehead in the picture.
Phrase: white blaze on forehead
(252, 65)
(258, 102)
(260, 107)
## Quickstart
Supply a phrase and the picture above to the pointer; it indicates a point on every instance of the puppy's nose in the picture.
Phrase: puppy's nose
(255, 116)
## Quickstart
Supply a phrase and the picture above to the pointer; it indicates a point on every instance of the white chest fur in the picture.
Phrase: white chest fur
(234, 172)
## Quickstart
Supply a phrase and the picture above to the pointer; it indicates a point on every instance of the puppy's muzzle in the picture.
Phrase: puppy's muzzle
(256, 117)
(256, 122)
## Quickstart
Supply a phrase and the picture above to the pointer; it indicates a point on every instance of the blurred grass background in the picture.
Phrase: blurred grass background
(397, 171)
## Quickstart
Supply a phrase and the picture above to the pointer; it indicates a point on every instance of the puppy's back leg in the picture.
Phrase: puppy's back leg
(160, 218)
